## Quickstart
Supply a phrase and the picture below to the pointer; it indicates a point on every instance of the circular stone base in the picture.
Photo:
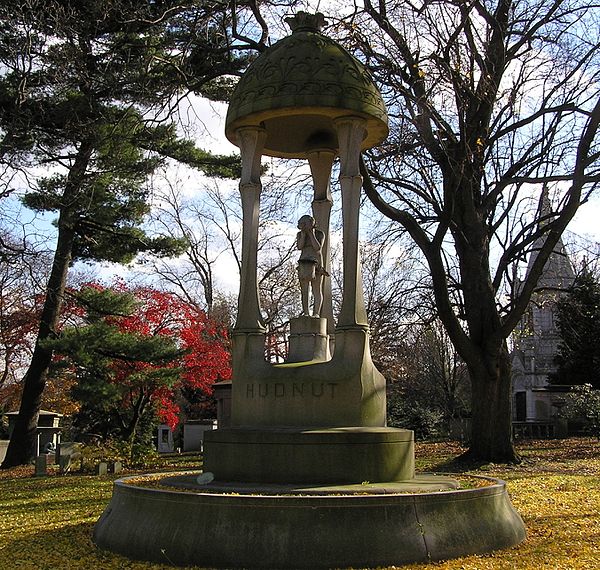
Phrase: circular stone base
(424, 483)
(313, 530)
(310, 456)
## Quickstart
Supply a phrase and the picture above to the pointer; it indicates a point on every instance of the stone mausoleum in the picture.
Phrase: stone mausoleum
(536, 402)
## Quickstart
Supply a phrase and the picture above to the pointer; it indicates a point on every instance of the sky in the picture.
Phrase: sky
(208, 119)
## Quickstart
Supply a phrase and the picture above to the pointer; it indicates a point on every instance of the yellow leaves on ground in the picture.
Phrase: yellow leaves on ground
(46, 523)
(557, 492)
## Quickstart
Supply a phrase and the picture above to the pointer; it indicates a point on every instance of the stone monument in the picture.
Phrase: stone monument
(307, 98)
(307, 475)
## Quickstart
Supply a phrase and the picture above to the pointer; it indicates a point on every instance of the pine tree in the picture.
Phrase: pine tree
(578, 321)
(83, 86)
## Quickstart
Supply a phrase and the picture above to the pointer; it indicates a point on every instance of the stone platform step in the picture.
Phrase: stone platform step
(422, 483)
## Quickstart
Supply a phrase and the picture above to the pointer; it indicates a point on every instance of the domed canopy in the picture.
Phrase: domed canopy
(298, 87)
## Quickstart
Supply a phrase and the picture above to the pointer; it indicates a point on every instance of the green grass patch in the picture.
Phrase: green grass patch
(46, 523)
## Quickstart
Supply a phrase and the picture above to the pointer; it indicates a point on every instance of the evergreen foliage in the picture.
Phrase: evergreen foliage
(86, 90)
(578, 321)
(583, 403)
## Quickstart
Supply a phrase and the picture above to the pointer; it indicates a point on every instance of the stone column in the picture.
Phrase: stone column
(321, 161)
(251, 141)
(351, 132)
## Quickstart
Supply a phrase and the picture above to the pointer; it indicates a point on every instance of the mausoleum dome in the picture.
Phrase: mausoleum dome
(299, 86)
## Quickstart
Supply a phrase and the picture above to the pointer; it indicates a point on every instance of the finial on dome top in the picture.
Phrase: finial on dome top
(305, 22)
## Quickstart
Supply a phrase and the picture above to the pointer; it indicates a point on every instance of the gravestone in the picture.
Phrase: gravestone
(165, 439)
(41, 465)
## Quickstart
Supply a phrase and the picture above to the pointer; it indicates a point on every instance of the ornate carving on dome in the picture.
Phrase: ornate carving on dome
(306, 69)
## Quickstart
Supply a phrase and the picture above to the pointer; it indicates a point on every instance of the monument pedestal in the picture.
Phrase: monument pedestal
(346, 391)
(266, 527)
(310, 456)
(308, 340)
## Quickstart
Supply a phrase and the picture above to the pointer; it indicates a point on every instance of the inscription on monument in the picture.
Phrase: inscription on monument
(291, 390)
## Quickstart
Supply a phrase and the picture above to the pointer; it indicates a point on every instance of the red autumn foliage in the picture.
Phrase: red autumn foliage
(19, 320)
(206, 357)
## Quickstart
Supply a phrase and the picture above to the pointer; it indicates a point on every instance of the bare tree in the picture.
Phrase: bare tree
(489, 102)
(211, 223)
(23, 272)
(397, 296)
(206, 237)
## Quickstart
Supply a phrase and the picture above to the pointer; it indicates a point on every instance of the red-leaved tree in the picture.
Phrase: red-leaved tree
(135, 351)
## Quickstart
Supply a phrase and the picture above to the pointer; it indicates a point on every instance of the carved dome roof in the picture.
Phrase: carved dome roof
(297, 87)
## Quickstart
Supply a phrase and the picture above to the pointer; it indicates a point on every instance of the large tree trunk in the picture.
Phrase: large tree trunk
(491, 427)
(23, 438)
(486, 352)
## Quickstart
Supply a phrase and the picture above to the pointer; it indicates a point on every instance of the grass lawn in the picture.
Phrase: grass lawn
(46, 523)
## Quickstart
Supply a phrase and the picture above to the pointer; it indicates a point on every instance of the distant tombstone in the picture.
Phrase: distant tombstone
(116, 467)
(165, 439)
(41, 466)
(64, 464)
(67, 452)
(102, 468)
(3, 447)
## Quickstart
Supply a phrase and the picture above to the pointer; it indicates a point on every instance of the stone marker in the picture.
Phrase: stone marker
(41, 466)
(64, 464)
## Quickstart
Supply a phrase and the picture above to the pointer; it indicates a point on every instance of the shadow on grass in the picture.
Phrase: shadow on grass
(64, 506)
(38, 493)
(465, 463)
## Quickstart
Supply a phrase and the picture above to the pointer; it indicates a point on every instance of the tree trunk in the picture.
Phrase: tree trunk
(138, 411)
(486, 353)
(23, 438)
(491, 420)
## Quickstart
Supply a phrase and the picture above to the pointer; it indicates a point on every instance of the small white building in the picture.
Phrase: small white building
(48, 431)
(193, 436)
(193, 433)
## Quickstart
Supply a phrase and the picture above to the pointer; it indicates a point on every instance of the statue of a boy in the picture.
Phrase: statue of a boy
(310, 265)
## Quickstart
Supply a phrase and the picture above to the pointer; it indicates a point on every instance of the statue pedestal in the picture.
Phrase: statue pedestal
(310, 456)
(308, 340)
